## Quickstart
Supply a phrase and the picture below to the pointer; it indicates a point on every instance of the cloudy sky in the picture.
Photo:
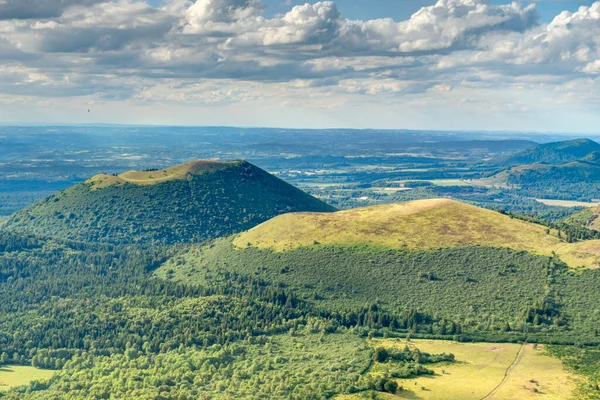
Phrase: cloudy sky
(418, 64)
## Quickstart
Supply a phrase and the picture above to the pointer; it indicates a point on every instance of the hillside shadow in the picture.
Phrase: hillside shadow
(408, 394)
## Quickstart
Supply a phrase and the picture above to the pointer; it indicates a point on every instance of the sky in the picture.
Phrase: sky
(389, 64)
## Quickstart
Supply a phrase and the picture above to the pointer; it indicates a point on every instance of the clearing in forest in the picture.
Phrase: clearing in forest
(18, 375)
(482, 371)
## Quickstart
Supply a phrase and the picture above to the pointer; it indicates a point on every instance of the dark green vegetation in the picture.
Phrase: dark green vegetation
(213, 322)
(573, 181)
(474, 292)
(585, 219)
(555, 153)
(256, 324)
(92, 310)
(229, 199)
(581, 361)
(567, 170)
(574, 228)
(391, 364)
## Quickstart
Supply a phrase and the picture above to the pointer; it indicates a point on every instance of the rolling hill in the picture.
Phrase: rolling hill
(587, 218)
(186, 203)
(555, 153)
(417, 225)
(440, 257)
(574, 180)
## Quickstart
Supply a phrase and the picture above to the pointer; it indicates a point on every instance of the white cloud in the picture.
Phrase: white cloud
(449, 24)
(223, 52)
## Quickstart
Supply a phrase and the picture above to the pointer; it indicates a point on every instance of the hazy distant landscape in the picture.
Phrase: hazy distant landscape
(348, 168)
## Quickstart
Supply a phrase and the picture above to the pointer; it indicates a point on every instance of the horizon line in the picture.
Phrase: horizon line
(92, 124)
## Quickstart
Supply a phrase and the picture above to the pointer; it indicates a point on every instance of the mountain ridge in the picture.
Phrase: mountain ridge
(555, 152)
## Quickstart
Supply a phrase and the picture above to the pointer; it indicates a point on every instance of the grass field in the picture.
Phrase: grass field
(154, 177)
(567, 203)
(449, 182)
(416, 225)
(17, 375)
(482, 371)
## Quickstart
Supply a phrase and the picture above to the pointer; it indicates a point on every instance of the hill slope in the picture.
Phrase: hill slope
(417, 225)
(186, 203)
(575, 180)
(439, 257)
(555, 153)
(421, 224)
(587, 218)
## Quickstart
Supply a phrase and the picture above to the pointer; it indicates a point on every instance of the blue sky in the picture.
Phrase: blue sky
(402, 9)
(418, 64)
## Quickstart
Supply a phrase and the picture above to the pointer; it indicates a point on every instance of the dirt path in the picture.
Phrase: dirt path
(506, 373)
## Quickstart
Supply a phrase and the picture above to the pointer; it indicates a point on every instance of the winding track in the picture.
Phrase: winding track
(506, 373)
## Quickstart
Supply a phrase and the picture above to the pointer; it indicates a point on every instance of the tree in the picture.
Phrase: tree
(390, 386)
(443, 327)
(380, 355)
(452, 328)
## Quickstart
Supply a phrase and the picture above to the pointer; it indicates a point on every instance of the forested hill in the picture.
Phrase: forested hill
(185, 203)
(555, 153)
(587, 218)
(487, 271)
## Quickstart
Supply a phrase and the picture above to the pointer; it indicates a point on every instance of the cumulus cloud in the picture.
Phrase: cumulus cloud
(449, 24)
(102, 27)
(568, 45)
(130, 49)
(225, 11)
(26, 9)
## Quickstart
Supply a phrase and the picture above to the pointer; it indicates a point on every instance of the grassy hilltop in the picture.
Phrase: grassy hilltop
(492, 274)
(417, 225)
(185, 203)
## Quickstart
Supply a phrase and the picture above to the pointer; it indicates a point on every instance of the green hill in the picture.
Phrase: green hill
(555, 153)
(587, 218)
(445, 259)
(568, 170)
(417, 225)
(575, 180)
(185, 203)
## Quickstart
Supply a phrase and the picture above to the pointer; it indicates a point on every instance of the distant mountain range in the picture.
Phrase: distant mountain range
(555, 153)
(568, 170)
